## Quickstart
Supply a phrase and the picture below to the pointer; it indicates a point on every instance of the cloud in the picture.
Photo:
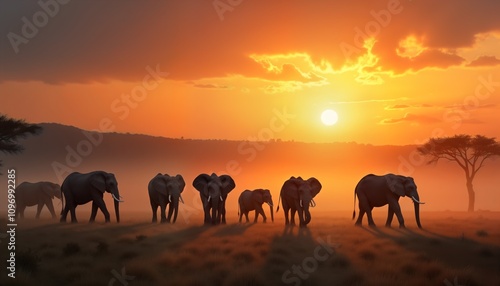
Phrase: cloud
(484, 61)
(413, 118)
(398, 106)
(406, 106)
(188, 40)
(210, 85)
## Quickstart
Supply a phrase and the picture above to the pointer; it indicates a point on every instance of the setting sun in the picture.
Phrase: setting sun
(329, 117)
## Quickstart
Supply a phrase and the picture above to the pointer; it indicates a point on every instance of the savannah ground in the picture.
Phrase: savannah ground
(453, 248)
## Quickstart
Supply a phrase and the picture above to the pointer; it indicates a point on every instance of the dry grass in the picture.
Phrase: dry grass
(453, 246)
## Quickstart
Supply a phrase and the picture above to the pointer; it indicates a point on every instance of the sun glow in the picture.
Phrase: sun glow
(329, 117)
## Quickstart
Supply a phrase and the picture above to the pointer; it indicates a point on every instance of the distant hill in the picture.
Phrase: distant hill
(135, 159)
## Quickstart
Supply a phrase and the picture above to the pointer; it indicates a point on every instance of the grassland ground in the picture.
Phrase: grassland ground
(452, 249)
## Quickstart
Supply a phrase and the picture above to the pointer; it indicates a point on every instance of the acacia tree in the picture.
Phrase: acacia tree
(11, 130)
(468, 152)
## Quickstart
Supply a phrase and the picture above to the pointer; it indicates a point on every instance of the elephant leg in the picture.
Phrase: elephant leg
(102, 206)
(39, 210)
(50, 206)
(287, 221)
(292, 216)
(21, 211)
(370, 217)
(390, 215)
(163, 208)
(240, 216)
(301, 218)
(73, 214)
(154, 208)
(397, 210)
(170, 211)
(64, 213)
(263, 216)
(359, 221)
(364, 206)
(256, 216)
(163, 213)
(260, 211)
(93, 214)
(207, 219)
(246, 216)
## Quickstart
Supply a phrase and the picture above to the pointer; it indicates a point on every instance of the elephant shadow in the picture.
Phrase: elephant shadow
(232, 229)
(296, 256)
(457, 252)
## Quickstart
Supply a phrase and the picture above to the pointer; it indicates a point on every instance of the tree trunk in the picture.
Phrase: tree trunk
(472, 195)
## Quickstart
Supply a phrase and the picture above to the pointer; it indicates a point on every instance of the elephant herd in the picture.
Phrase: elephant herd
(296, 196)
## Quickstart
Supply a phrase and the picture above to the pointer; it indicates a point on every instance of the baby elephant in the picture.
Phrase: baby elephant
(253, 200)
(40, 193)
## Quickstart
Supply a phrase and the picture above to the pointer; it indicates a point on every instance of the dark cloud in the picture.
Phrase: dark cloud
(484, 61)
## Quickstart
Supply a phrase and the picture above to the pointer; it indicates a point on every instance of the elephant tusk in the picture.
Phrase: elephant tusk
(269, 204)
(312, 203)
(300, 202)
(417, 201)
(169, 198)
(209, 199)
(180, 199)
(116, 199)
(220, 197)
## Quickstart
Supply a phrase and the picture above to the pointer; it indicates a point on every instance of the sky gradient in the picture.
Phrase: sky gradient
(396, 72)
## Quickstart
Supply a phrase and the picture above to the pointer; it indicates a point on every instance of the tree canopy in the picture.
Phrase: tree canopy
(468, 152)
(11, 130)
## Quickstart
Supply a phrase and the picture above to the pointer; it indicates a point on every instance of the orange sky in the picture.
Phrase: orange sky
(396, 72)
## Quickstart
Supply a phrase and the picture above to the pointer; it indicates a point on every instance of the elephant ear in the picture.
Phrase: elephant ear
(181, 182)
(228, 184)
(395, 184)
(98, 181)
(290, 188)
(259, 196)
(48, 190)
(200, 183)
(160, 184)
(315, 186)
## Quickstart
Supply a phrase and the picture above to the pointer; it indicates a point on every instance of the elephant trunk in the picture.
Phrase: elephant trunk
(117, 210)
(176, 211)
(272, 213)
(214, 206)
(416, 204)
(417, 214)
(307, 214)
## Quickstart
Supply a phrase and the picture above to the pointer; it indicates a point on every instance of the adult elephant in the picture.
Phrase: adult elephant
(40, 193)
(298, 194)
(166, 190)
(253, 200)
(213, 193)
(376, 191)
(79, 189)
